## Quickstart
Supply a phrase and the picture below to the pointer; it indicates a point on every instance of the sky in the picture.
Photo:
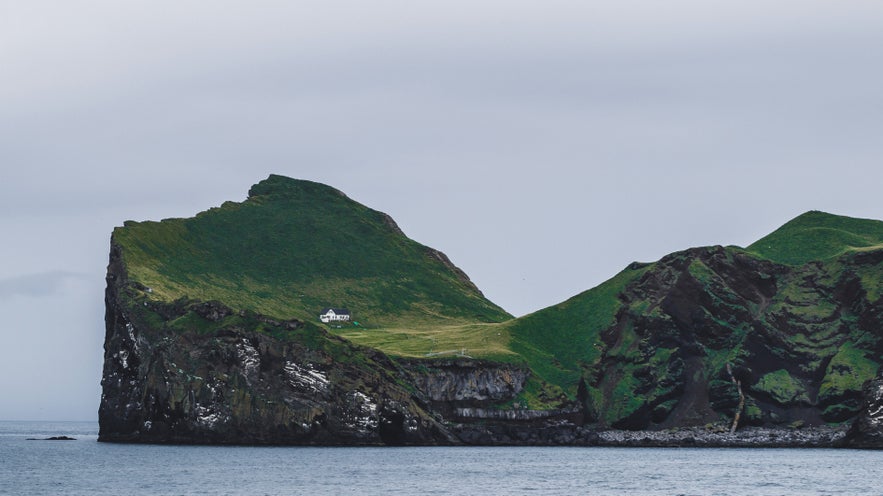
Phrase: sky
(542, 145)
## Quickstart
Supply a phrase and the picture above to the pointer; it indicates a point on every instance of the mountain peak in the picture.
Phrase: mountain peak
(817, 235)
(276, 185)
(295, 247)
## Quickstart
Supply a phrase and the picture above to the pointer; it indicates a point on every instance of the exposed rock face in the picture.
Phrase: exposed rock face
(238, 385)
(258, 380)
(801, 339)
(452, 384)
(867, 430)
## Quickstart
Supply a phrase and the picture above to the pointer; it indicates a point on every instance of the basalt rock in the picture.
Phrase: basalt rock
(450, 386)
(867, 429)
(800, 341)
(239, 385)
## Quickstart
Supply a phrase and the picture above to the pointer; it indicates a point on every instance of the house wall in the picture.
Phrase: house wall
(333, 317)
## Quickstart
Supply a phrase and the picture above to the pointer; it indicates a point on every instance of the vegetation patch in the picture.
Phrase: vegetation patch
(558, 342)
(782, 387)
(818, 236)
(849, 369)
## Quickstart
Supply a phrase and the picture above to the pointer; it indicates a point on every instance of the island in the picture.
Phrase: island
(301, 317)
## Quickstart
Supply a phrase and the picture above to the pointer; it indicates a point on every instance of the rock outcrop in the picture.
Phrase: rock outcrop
(449, 385)
(867, 429)
(713, 334)
(241, 385)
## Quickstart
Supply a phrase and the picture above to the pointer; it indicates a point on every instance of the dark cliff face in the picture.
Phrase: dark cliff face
(867, 430)
(244, 385)
(262, 381)
(801, 341)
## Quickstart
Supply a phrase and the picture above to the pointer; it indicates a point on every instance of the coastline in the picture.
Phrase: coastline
(692, 437)
(749, 437)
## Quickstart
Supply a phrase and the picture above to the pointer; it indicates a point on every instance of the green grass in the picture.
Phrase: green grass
(872, 281)
(557, 342)
(818, 236)
(623, 401)
(782, 387)
(488, 341)
(847, 372)
(294, 247)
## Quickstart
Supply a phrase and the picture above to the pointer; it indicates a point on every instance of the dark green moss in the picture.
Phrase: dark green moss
(782, 387)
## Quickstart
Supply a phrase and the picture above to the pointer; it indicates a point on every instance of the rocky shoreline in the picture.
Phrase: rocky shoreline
(750, 437)
(686, 437)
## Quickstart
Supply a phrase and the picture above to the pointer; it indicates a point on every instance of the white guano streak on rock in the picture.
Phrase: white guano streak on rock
(365, 418)
(205, 417)
(306, 377)
(248, 356)
(130, 330)
(123, 357)
(875, 416)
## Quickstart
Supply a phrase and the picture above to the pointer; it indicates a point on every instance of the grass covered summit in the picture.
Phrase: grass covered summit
(294, 248)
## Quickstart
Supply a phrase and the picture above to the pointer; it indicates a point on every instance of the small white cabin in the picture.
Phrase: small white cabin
(334, 315)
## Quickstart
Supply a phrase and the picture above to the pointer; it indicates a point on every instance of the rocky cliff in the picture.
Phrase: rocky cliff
(212, 337)
(200, 372)
(782, 334)
(249, 380)
(800, 341)
(867, 429)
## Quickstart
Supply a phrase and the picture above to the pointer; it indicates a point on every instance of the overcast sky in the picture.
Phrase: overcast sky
(542, 145)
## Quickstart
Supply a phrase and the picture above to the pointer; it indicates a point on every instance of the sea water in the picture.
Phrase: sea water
(87, 467)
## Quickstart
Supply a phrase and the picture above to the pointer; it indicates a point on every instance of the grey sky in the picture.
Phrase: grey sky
(542, 145)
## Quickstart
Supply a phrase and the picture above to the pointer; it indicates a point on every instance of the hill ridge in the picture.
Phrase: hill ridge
(293, 236)
(817, 235)
(780, 334)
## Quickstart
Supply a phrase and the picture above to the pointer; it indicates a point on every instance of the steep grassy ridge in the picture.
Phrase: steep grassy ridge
(294, 247)
(560, 341)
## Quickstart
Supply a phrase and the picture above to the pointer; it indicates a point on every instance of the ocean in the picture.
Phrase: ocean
(86, 467)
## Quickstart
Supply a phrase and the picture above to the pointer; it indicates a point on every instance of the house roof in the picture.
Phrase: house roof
(338, 311)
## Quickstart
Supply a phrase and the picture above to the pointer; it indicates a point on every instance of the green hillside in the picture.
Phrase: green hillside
(295, 247)
(651, 345)
(560, 341)
(818, 236)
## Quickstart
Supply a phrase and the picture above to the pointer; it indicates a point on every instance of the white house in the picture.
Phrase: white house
(334, 315)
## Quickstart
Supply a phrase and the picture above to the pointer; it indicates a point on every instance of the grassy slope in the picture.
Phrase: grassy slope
(561, 342)
(818, 236)
(293, 248)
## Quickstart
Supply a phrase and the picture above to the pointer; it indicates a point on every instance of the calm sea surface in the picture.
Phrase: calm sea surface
(86, 467)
